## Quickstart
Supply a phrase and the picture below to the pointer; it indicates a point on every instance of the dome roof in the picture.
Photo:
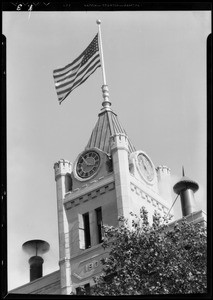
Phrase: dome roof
(106, 126)
(185, 183)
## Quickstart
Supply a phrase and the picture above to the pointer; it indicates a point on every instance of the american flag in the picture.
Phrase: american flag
(74, 74)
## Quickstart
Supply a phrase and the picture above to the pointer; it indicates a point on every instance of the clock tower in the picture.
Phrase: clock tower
(109, 178)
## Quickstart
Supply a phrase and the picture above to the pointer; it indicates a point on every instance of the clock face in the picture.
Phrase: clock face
(87, 164)
(145, 167)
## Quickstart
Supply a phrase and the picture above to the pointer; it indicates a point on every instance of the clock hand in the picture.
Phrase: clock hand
(144, 164)
(85, 161)
(88, 164)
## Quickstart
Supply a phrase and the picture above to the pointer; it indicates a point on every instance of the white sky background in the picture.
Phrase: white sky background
(156, 72)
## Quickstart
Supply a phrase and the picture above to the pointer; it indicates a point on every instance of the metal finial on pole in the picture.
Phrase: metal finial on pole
(106, 103)
(183, 173)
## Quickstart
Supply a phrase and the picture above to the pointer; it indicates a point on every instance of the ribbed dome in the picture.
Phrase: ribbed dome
(106, 126)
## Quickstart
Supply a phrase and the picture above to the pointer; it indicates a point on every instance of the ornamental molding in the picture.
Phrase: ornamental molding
(82, 195)
(151, 200)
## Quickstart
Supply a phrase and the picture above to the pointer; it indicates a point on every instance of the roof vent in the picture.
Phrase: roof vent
(35, 247)
(186, 188)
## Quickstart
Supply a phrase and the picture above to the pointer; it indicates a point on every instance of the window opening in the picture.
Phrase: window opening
(84, 231)
(99, 224)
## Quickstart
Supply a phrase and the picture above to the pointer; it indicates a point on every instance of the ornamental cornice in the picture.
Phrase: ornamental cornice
(89, 191)
(151, 199)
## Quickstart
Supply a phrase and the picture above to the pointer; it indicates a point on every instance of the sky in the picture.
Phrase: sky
(155, 63)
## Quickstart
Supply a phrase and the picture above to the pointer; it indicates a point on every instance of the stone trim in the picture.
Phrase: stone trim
(64, 260)
(90, 195)
(45, 289)
(157, 205)
(91, 185)
(84, 252)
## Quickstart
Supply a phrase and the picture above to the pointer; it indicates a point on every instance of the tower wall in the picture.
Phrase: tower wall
(86, 200)
(63, 170)
(144, 196)
(119, 150)
(164, 184)
(86, 263)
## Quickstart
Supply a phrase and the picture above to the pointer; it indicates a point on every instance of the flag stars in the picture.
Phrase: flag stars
(91, 49)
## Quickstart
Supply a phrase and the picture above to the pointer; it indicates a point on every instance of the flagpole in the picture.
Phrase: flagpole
(106, 102)
(101, 52)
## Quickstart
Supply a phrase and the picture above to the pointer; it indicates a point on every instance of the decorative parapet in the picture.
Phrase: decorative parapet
(62, 167)
(119, 141)
(195, 217)
(163, 169)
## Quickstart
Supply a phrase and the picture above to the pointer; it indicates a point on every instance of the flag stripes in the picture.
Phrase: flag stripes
(74, 74)
(70, 79)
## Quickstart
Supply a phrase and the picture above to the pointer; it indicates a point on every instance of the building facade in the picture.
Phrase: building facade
(109, 178)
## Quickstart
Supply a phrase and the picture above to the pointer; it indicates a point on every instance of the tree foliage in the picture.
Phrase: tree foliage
(153, 259)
